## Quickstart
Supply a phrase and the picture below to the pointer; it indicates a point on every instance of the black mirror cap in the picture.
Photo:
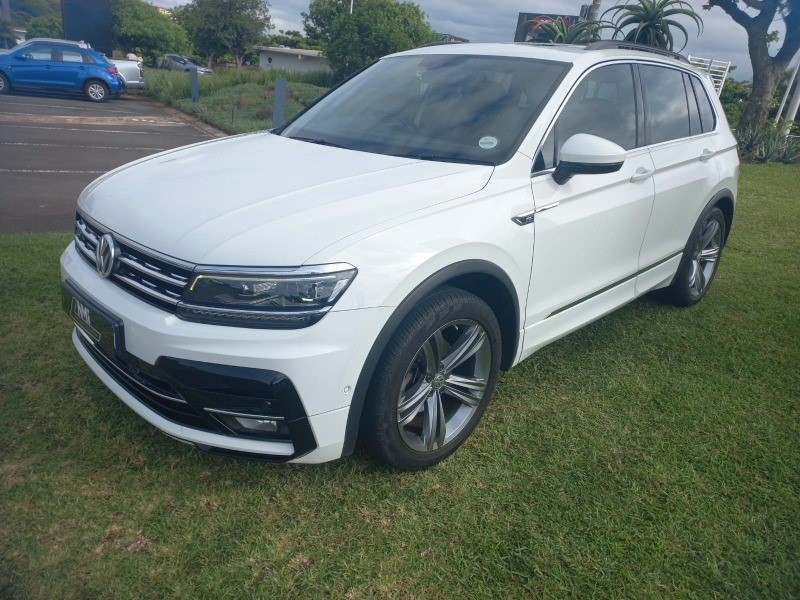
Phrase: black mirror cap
(565, 170)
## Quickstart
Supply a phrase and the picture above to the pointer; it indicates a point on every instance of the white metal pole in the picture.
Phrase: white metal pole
(351, 7)
(791, 112)
(786, 93)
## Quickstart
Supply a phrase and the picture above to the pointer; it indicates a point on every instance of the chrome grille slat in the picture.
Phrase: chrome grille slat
(143, 273)
(152, 271)
(127, 281)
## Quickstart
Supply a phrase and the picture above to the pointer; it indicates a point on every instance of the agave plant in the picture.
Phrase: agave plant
(767, 144)
(653, 22)
(560, 31)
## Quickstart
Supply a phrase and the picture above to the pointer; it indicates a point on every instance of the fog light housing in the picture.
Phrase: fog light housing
(254, 425)
(260, 425)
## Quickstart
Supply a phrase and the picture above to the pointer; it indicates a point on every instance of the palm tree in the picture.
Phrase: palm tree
(652, 21)
(560, 31)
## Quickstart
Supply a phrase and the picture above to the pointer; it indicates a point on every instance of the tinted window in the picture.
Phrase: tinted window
(448, 107)
(665, 98)
(67, 56)
(704, 104)
(39, 53)
(694, 115)
(87, 58)
(603, 104)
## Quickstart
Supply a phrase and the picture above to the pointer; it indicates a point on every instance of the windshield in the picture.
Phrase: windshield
(192, 61)
(457, 108)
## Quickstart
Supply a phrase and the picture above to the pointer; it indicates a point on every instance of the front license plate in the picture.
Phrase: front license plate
(104, 330)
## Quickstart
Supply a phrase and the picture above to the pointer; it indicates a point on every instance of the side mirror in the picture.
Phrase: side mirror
(21, 56)
(589, 155)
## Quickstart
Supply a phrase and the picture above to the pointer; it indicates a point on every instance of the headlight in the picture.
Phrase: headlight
(270, 299)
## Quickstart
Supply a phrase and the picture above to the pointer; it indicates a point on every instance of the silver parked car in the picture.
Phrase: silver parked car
(178, 62)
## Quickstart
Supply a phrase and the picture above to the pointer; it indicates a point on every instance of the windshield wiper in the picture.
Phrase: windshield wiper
(449, 159)
(317, 141)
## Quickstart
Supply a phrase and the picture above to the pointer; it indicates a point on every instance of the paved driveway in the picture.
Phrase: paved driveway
(51, 148)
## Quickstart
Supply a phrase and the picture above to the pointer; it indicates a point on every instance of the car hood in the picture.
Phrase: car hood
(265, 200)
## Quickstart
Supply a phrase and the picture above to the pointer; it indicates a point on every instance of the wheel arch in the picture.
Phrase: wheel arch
(482, 278)
(724, 201)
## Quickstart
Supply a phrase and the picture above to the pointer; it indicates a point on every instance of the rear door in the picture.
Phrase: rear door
(67, 68)
(682, 139)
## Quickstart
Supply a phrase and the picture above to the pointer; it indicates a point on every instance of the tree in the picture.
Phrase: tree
(376, 28)
(138, 27)
(7, 38)
(47, 27)
(289, 39)
(560, 31)
(217, 27)
(767, 69)
(652, 22)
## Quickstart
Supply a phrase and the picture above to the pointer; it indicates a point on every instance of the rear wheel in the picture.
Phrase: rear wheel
(96, 91)
(5, 84)
(433, 381)
(700, 260)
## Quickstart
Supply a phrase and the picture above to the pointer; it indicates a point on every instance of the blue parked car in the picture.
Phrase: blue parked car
(53, 66)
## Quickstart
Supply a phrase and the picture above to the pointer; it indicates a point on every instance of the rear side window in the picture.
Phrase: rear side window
(603, 104)
(694, 115)
(87, 59)
(68, 56)
(665, 98)
(704, 104)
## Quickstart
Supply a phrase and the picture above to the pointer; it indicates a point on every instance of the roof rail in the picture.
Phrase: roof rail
(615, 45)
(442, 43)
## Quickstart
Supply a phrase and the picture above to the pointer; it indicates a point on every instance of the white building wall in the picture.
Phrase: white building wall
(291, 62)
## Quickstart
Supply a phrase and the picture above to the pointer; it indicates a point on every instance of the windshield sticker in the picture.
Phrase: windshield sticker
(488, 142)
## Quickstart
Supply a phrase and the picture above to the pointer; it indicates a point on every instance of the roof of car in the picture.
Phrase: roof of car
(557, 52)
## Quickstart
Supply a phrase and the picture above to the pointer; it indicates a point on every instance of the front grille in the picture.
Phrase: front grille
(148, 389)
(155, 279)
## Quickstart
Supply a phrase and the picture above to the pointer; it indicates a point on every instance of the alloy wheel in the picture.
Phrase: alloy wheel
(705, 257)
(96, 91)
(444, 385)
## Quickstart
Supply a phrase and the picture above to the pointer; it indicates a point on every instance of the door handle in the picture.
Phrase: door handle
(642, 174)
(707, 155)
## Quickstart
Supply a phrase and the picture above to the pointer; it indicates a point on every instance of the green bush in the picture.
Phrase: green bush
(236, 100)
(767, 144)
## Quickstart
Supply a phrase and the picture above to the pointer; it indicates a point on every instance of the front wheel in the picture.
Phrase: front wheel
(433, 382)
(96, 91)
(700, 260)
(5, 84)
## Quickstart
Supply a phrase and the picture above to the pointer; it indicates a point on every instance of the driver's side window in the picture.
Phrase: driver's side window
(603, 104)
(39, 53)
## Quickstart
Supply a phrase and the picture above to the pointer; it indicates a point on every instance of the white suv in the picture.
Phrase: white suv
(364, 272)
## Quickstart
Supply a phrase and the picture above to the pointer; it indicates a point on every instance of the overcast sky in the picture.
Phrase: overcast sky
(487, 21)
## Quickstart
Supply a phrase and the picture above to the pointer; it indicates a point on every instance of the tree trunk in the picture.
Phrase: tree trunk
(766, 78)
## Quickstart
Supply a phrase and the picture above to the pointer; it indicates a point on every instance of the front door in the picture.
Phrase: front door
(35, 69)
(589, 231)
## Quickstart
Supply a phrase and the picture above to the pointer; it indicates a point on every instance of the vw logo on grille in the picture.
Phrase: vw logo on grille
(106, 255)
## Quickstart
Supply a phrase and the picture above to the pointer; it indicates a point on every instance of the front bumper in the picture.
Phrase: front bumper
(310, 373)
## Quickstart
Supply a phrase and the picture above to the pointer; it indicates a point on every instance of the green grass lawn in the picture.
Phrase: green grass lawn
(236, 101)
(655, 453)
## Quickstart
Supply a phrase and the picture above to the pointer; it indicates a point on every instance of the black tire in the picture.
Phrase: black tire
(449, 316)
(96, 91)
(695, 275)
(5, 84)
